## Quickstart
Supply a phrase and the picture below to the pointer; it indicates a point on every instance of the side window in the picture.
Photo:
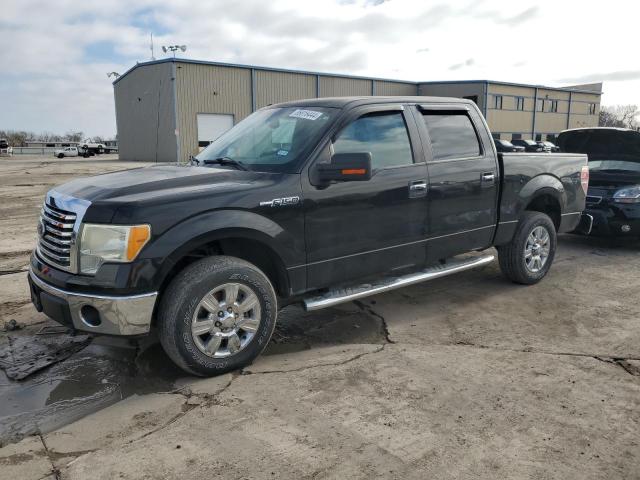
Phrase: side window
(383, 134)
(452, 135)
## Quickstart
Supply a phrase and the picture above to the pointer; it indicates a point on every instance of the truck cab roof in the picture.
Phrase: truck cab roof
(355, 101)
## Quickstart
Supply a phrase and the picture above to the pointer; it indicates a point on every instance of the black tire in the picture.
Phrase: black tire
(182, 298)
(512, 256)
(61, 155)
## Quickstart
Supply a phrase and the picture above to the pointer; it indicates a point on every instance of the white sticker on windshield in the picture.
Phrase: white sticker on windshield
(306, 114)
(282, 153)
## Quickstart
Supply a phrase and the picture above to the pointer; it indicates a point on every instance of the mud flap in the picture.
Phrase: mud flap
(585, 225)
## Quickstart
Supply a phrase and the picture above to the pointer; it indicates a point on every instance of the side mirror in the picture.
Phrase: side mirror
(346, 167)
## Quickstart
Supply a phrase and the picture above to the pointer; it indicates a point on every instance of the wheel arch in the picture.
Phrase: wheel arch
(238, 233)
(545, 194)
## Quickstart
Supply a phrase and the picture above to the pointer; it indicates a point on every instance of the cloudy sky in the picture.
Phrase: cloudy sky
(56, 53)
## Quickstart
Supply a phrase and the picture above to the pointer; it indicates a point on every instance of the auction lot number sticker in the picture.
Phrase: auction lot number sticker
(306, 114)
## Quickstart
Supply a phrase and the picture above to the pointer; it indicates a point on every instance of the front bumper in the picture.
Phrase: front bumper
(103, 314)
(615, 221)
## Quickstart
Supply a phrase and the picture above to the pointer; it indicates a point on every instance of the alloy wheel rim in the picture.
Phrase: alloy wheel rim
(537, 249)
(226, 320)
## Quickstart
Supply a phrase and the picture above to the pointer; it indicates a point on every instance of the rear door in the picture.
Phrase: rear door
(354, 229)
(463, 179)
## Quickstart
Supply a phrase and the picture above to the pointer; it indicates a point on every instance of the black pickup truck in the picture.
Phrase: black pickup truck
(317, 201)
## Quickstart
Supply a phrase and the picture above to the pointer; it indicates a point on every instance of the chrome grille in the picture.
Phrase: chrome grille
(56, 236)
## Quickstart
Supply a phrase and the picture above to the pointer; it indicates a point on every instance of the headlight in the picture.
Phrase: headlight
(628, 195)
(110, 243)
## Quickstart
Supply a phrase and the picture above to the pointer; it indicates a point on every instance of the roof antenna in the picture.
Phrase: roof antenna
(152, 57)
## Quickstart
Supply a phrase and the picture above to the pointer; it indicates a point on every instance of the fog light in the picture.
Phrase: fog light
(625, 228)
(90, 316)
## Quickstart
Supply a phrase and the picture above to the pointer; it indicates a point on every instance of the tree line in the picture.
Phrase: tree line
(620, 116)
(18, 138)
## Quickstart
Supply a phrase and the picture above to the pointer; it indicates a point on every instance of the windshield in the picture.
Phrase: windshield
(273, 139)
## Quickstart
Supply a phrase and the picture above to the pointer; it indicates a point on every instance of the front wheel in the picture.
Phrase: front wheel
(61, 155)
(529, 256)
(217, 315)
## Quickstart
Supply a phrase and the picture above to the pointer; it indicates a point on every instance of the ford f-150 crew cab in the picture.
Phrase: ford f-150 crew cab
(317, 201)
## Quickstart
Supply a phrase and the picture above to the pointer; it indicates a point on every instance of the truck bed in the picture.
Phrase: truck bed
(522, 174)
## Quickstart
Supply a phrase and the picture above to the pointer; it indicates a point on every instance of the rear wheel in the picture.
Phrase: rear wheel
(61, 155)
(217, 315)
(529, 256)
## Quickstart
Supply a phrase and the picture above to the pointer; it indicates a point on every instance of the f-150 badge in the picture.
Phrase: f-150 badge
(280, 202)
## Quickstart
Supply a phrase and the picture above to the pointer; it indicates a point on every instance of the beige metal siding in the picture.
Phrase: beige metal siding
(343, 87)
(209, 89)
(385, 88)
(496, 88)
(144, 114)
(510, 121)
(458, 90)
(276, 87)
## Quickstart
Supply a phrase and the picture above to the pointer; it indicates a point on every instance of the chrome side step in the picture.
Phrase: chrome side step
(347, 294)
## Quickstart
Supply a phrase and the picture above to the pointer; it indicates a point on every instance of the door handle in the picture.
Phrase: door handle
(488, 177)
(417, 188)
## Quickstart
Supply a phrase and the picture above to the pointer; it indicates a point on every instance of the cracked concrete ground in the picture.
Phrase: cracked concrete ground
(467, 376)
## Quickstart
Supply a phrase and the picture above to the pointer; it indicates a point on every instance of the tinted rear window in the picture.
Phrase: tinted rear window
(452, 135)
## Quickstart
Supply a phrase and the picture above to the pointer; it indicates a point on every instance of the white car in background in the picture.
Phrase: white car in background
(69, 152)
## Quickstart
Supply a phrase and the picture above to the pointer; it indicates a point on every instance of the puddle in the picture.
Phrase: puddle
(106, 371)
(110, 369)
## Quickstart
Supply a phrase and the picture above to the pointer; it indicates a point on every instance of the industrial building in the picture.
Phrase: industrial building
(167, 110)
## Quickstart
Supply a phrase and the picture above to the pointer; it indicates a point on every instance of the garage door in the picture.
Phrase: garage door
(211, 126)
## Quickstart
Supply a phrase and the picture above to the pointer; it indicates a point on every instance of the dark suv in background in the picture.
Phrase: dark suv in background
(507, 146)
(613, 199)
(529, 145)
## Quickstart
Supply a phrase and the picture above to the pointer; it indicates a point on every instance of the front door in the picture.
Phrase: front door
(463, 180)
(379, 226)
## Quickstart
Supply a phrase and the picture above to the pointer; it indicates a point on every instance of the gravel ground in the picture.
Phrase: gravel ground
(467, 376)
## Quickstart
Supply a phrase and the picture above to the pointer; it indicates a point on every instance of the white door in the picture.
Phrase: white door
(211, 126)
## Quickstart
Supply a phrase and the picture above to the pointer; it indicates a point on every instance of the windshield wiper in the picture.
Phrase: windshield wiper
(226, 161)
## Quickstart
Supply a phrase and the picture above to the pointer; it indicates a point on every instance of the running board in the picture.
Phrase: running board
(347, 294)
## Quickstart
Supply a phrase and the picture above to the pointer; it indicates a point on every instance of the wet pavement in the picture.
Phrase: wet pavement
(106, 371)
(111, 369)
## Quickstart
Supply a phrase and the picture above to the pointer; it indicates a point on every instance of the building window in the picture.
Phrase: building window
(51, 144)
(540, 105)
(551, 138)
(497, 102)
(592, 109)
(516, 136)
(520, 103)
(538, 137)
(554, 106)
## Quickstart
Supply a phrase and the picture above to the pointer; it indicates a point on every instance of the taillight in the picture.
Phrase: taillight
(584, 178)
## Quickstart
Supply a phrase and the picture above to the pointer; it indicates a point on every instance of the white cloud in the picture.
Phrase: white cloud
(55, 80)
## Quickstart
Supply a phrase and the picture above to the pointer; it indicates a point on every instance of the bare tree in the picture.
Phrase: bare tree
(15, 138)
(620, 116)
(74, 136)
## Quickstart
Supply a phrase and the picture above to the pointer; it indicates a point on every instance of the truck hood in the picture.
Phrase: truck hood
(158, 183)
